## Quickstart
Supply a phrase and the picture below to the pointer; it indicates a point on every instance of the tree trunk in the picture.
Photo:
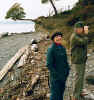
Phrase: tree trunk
(26, 19)
(55, 10)
(35, 21)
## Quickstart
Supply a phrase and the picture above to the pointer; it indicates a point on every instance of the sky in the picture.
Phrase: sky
(34, 8)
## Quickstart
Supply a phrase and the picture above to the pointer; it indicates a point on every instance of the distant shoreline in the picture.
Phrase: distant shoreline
(5, 34)
(16, 27)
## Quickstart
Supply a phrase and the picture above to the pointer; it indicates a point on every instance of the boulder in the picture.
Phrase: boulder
(34, 47)
(34, 41)
(32, 62)
(9, 34)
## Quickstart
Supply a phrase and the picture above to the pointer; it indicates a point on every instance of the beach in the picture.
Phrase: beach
(11, 44)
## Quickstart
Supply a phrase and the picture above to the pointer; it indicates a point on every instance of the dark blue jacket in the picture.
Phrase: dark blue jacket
(57, 62)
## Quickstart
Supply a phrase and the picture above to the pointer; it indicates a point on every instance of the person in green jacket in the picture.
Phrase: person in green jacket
(79, 43)
(58, 66)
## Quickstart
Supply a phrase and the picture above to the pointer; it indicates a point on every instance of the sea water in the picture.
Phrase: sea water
(16, 26)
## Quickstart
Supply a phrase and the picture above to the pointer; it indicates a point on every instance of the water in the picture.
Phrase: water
(8, 48)
(11, 44)
(16, 26)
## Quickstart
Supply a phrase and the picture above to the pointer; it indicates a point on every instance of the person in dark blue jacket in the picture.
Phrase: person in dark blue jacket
(58, 66)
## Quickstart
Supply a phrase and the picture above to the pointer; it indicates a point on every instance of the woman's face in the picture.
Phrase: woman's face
(58, 39)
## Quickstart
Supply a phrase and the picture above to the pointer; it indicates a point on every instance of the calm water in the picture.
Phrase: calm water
(8, 48)
(16, 26)
(11, 44)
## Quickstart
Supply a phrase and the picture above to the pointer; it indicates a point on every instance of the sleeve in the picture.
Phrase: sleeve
(67, 64)
(50, 60)
(67, 60)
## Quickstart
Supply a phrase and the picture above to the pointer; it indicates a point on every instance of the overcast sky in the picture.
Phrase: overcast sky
(33, 8)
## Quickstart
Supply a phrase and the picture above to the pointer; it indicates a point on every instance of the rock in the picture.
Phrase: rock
(34, 47)
(38, 58)
(3, 34)
(9, 34)
(47, 37)
(34, 41)
(32, 62)
(88, 55)
(31, 57)
(48, 95)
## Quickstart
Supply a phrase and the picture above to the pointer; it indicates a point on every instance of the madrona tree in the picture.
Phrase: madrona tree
(16, 12)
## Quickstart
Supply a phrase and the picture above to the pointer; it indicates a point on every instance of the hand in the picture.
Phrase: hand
(86, 29)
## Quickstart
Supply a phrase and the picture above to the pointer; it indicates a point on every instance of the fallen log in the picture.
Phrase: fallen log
(32, 85)
(34, 80)
(12, 61)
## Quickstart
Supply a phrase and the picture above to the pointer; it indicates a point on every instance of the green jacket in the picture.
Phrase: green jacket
(57, 62)
(78, 48)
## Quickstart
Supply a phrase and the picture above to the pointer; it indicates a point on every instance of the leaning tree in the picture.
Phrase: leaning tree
(16, 12)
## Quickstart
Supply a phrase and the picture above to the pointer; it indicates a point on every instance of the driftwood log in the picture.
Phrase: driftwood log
(34, 81)
(32, 85)
(12, 61)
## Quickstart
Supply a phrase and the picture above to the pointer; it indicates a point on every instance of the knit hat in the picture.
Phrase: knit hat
(79, 24)
(56, 34)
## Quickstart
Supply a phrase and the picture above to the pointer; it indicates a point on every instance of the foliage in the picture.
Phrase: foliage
(80, 12)
(86, 2)
(44, 1)
(15, 12)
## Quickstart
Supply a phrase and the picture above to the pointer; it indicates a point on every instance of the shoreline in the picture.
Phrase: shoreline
(5, 34)
(35, 65)
(9, 45)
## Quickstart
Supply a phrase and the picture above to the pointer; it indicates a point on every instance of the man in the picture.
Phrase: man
(79, 42)
(58, 67)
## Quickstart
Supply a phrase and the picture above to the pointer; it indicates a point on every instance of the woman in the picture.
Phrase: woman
(58, 66)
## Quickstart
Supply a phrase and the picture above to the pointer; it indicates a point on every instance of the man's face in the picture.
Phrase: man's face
(79, 30)
(86, 29)
(58, 39)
